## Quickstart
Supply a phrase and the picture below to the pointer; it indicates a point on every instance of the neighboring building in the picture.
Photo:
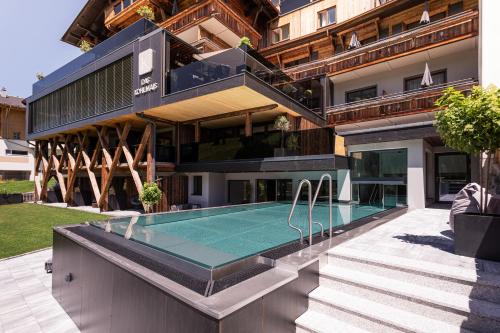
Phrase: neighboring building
(182, 105)
(16, 155)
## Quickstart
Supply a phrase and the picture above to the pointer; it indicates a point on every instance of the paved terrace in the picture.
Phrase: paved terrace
(26, 304)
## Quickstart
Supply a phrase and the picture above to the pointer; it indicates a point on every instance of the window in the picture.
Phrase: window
(360, 94)
(455, 8)
(397, 28)
(412, 83)
(413, 25)
(314, 56)
(281, 33)
(239, 191)
(379, 165)
(16, 152)
(126, 3)
(326, 17)
(384, 33)
(17, 136)
(118, 8)
(438, 16)
(198, 185)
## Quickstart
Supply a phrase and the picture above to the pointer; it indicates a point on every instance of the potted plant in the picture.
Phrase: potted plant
(471, 124)
(85, 46)
(281, 124)
(150, 196)
(245, 41)
(292, 144)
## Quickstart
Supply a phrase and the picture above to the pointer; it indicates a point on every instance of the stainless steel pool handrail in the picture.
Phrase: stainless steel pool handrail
(309, 203)
(330, 202)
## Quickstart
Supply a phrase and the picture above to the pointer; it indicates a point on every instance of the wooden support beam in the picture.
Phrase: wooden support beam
(90, 169)
(130, 160)
(75, 167)
(38, 160)
(103, 139)
(151, 156)
(233, 114)
(47, 169)
(112, 168)
(57, 166)
(248, 124)
(146, 136)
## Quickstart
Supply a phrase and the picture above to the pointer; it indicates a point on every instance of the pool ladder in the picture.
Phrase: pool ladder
(311, 202)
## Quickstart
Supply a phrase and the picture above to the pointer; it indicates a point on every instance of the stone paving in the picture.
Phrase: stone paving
(26, 302)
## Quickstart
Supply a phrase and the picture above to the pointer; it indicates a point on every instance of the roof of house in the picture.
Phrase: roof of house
(90, 21)
(12, 101)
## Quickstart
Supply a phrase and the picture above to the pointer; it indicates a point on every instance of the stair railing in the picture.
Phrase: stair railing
(330, 220)
(292, 210)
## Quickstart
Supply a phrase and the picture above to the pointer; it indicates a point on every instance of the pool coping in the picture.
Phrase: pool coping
(238, 296)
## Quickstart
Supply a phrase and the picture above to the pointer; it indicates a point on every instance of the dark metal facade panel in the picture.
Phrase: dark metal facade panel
(325, 163)
(421, 132)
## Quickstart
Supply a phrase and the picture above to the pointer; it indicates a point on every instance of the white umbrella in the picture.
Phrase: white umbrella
(425, 15)
(354, 43)
(427, 79)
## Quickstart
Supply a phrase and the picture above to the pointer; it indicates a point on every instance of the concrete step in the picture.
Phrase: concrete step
(464, 275)
(374, 314)
(487, 293)
(454, 309)
(315, 322)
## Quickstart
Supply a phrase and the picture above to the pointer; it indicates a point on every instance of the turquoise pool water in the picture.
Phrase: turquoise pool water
(217, 236)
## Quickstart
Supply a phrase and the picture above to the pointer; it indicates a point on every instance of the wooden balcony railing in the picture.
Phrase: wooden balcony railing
(452, 29)
(128, 15)
(402, 104)
(212, 9)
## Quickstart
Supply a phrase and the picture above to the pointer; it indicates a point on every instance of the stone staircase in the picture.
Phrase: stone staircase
(363, 291)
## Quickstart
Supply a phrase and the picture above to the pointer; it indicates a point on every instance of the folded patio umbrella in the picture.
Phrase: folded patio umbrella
(427, 79)
(354, 41)
(425, 15)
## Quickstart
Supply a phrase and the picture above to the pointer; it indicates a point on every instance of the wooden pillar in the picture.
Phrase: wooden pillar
(104, 175)
(178, 143)
(151, 156)
(197, 132)
(248, 124)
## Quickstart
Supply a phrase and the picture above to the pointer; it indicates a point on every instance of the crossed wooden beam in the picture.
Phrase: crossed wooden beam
(75, 158)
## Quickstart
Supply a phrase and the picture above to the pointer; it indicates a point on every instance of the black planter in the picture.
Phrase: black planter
(478, 236)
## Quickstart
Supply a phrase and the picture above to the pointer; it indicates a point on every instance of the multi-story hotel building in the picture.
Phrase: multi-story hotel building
(16, 155)
(177, 102)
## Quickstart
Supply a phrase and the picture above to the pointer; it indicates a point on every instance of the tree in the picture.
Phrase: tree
(146, 12)
(471, 124)
(150, 196)
(282, 124)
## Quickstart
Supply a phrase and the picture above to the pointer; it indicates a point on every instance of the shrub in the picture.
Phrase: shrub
(245, 41)
(85, 46)
(146, 12)
(150, 195)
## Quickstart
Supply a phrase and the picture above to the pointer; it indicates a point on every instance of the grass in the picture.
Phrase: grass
(28, 227)
(20, 186)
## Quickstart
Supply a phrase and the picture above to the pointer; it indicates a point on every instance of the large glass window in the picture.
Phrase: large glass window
(379, 165)
(326, 17)
(360, 94)
(197, 185)
(414, 82)
(239, 191)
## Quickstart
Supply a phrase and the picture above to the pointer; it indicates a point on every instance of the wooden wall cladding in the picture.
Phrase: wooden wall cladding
(175, 192)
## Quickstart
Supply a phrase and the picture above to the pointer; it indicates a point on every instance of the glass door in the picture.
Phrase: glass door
(452, 174)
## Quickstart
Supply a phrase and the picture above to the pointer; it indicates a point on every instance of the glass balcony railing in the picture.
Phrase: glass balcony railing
(235, 62)
(260, 145)
(136, 30)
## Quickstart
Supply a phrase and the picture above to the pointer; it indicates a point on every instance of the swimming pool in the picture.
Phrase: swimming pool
(215, 237)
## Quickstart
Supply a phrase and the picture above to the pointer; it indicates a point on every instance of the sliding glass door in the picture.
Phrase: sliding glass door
(452, 174)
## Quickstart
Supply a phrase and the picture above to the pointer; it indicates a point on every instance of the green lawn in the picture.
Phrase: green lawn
(20, 186)
(28, 227)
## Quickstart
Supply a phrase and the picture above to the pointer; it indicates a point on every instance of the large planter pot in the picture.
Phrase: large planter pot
(478, 236)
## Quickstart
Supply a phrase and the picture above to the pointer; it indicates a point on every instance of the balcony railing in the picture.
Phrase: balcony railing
(234, 62)
(451, 29)
(212, 9)
(401, 104)
(260, 145)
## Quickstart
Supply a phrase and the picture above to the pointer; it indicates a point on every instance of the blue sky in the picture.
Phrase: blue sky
(31, 40)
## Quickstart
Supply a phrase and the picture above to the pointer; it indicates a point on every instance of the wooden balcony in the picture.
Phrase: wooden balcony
(206, 10)
(449, 30)
(402, 104)
(129, 15)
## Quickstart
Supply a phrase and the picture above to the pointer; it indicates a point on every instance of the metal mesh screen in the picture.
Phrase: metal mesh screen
(105, 90)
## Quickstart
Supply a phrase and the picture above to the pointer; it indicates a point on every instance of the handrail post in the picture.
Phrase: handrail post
(309, 203)
(330, 202)
(292, 210)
